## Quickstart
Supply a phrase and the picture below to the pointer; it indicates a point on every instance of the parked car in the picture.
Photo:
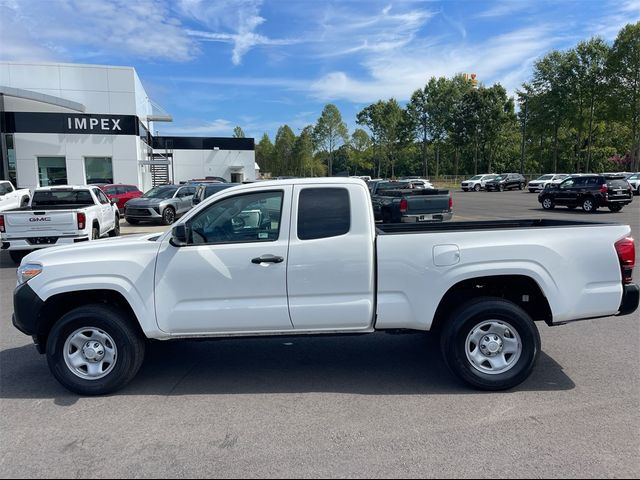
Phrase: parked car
(58, 216)
(10, 197)
(204, 191)
(404, 201)
(121, 193)
(304, 257)
(542, 182)
(417, 182)
(162, 204)
(506, 181)
(477, 182)
(589, 192)
(198, 181)
(634, 181)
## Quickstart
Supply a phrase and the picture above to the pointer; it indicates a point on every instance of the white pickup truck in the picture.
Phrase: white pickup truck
(305, 257)
(12, 198)
(58, 216)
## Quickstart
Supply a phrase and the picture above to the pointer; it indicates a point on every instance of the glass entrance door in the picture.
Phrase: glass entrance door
(52, 171)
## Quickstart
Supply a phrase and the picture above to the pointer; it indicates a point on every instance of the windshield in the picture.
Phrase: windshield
(161, 192)
(499, 177)
(477, 177)
(545, 177)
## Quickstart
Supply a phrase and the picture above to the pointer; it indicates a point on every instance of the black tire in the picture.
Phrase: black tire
(615, 208)
(116, 228)
(521, 186)
(476, 188)
(129, 344)
(132, 221)
(18, 255)
(168, 216)
(471, 315)
(95, 233)
(532, 190)
(589, 205)
(24, 202)
(548, 203)
(501, 188)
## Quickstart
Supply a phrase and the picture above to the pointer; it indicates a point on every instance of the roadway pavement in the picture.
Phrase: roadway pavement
(368, 406)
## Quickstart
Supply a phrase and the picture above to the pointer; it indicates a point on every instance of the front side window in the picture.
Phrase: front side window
(253, 217)
(323, 213)
(98, 170)
(5, 188)
(567, 184)
(102, 198)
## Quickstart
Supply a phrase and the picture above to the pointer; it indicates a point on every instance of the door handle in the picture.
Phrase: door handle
(267, 259)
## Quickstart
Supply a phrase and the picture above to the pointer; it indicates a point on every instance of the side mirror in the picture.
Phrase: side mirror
(179, 236)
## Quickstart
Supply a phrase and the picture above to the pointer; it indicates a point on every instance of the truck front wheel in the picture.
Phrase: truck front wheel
(491, 344)
(94, 350)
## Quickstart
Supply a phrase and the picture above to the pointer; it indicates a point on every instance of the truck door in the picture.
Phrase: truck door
(330, 272)
(231, 276)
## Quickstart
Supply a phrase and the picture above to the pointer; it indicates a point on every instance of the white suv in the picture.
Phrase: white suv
(634, 181)
(477, 183)
(541, 183)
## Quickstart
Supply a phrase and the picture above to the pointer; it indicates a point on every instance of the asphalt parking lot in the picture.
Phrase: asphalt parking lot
(367, 406)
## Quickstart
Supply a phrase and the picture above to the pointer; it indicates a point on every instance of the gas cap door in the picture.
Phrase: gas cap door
(446, 255)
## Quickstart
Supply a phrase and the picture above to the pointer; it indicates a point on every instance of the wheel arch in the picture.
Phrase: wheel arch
(522, 290)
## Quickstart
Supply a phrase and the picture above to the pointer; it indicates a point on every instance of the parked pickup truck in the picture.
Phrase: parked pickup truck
(58, 216)
(304, 257)
(398, 202)
(12, 198)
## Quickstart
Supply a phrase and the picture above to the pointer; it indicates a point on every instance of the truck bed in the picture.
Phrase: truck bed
(403, 228)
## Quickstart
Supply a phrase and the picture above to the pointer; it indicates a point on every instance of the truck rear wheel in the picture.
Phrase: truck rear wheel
(116, 228)
(491, 344)
(94, 350)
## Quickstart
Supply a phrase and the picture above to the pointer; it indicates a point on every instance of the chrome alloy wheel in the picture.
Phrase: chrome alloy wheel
(90, 353)
(493, 347)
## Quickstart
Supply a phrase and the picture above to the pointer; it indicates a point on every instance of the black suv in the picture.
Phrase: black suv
(506, 181)
(588, 192)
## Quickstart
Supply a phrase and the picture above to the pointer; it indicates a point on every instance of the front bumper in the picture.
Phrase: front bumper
(146, 213)
(630, 299)
(27, 308)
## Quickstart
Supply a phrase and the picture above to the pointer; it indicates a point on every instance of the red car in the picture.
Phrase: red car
(122, 193)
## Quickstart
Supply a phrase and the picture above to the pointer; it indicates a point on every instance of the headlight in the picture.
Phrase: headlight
(27, 271)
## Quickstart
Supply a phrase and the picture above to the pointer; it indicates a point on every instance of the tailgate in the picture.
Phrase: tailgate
(420, 204)
(27, 223)
(618, 190)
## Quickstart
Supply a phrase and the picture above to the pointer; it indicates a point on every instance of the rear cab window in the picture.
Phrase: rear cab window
(323, 213)
(57, 198)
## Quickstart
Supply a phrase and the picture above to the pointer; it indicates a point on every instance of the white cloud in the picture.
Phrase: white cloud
(230, 21)
(504, 8)
(78, 29)
(399, 73)
(210, 128)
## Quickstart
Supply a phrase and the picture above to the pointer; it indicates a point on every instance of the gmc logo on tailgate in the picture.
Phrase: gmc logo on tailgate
(40, 219)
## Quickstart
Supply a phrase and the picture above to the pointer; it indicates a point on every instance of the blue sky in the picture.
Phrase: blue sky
(214, 64)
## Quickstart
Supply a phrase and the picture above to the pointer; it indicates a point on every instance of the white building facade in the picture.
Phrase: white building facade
(81, 124)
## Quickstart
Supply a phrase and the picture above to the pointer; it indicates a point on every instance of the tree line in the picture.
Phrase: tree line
(579, 112)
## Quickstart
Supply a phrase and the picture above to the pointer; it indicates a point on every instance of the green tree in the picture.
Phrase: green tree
(238, 132)
(303, 153)
(624, 84)
(283, 151)
(330, 132)
(359, 152)
(418, 111)
(264, 154)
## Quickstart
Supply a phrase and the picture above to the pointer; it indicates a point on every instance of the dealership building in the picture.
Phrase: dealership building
(82, 124)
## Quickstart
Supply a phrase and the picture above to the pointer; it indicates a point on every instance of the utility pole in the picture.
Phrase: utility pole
(524, 135)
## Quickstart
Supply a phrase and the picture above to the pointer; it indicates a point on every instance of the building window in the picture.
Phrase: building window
(98, 170)
(11, 160)
(52, 171)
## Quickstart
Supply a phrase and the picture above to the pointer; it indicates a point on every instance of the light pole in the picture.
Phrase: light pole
(524, 134)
